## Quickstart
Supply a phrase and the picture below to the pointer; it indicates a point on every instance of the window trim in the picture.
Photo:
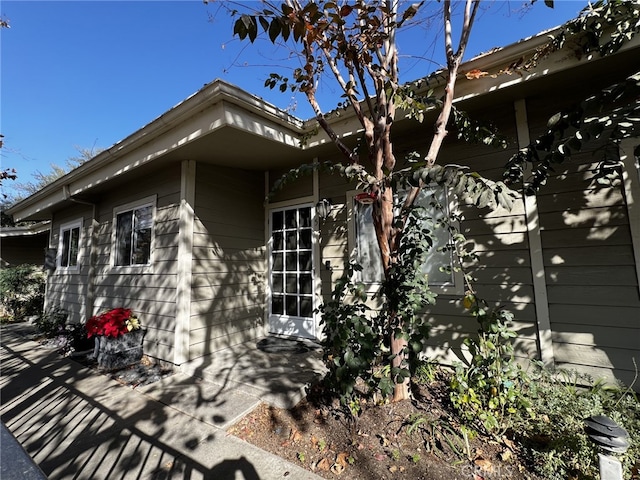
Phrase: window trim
(455, 288)
(69, 226)
(149, 201)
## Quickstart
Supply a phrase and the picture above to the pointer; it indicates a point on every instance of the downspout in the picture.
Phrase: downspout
(90, 295)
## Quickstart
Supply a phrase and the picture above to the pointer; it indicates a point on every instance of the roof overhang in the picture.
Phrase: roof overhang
(25, 231)
(220, 124)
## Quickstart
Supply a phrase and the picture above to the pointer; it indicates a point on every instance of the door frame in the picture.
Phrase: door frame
(306, 201)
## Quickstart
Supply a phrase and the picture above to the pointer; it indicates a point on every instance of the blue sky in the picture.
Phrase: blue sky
(89, 73)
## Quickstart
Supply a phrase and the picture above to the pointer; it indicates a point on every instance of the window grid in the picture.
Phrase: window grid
(291, 262)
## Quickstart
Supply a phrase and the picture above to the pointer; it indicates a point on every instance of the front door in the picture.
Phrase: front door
(291, 272)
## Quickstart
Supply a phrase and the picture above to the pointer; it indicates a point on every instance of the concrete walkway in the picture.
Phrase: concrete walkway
(78, 424)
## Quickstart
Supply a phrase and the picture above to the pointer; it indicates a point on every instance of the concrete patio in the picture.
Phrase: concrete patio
(78, 424)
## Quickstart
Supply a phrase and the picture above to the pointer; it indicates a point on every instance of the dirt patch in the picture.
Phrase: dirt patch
(414, 439)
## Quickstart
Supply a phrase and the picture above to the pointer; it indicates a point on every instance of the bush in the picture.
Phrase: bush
(556, 441)
(491, 391)
(22, 290)
(53, 322)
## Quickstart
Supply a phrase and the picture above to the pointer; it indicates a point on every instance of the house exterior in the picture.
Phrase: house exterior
(172, 222)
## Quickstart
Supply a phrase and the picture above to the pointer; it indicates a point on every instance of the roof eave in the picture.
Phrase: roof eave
(212, 93)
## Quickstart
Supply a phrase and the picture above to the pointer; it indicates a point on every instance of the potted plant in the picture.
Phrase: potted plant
(118, 338)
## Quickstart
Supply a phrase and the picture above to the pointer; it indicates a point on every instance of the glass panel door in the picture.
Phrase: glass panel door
(291, 272)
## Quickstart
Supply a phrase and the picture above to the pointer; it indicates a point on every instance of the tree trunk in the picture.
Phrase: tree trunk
(398, 348)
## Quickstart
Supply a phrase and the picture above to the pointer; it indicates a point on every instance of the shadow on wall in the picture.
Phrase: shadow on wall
(589, 270)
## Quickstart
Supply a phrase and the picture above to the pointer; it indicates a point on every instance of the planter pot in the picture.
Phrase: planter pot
(121, 352)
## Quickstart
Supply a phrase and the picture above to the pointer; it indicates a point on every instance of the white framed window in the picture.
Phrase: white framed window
(69, 245)
(133, 233)
(364, 249)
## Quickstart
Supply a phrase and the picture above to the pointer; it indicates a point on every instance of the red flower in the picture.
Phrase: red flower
(110, 324)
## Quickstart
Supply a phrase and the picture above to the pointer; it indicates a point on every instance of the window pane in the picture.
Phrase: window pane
(368, 253)
(429, 198)
(292, 305)
(304, 261)
(292, 283)
(277, 241)
(431, 267)
(277, 305)
(66, 240)
(291, 240)
(305, 238)
(278, 262)
(290, 219)
(74, 247)
(305, 283)
(292, 261)
(278, 283)
(142, 236)
(305, 217)
(123, 238)
(278, 221)
(306, 307)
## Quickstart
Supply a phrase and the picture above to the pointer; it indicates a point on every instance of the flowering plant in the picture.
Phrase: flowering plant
(112, 323)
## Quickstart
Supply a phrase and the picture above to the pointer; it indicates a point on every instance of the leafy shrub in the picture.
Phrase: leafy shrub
(492, 388)
(22, 290)
(556, 441)
(52, 322)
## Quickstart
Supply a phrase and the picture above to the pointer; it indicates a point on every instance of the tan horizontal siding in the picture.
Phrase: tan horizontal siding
(501, 275)
(594, 303)
(512, 257)
(218, 320)
(601, 336)
(499, 241)
(584, 237)
(225, 339)
(576, 217)
(597, 315)
(224, 242)
(588, 355)
(300, 187)
(213, 254)
(228, 307)
(239, 293)
(606, 275)
(621, 296)
(228, 264)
